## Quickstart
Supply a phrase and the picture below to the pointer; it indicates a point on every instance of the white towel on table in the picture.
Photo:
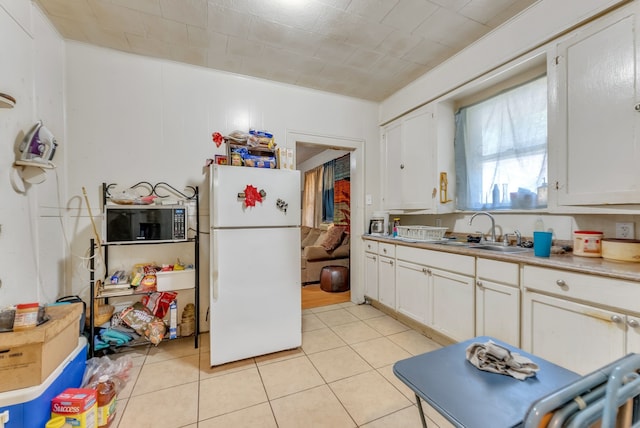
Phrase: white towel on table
(494, 358)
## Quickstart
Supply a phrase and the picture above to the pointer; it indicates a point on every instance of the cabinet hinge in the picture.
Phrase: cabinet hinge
(557, 185)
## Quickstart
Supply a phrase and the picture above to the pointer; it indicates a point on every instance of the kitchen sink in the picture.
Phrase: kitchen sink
(455, 243)
(484, 246)
(501, 248)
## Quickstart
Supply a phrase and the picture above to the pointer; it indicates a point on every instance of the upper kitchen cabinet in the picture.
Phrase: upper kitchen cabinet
(594, 117)
(417, 148)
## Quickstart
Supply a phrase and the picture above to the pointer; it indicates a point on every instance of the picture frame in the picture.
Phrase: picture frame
(221, 160)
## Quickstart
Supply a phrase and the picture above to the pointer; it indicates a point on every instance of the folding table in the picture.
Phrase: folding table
(471, 398)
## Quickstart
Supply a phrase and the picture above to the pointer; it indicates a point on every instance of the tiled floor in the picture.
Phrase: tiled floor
(340, 377)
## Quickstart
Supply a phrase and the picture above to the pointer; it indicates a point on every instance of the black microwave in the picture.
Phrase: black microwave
(126, 224)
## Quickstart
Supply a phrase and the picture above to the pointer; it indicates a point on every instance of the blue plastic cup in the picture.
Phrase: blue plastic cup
(542, 244)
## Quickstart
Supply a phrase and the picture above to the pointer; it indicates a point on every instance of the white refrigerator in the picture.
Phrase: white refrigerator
(255, 305)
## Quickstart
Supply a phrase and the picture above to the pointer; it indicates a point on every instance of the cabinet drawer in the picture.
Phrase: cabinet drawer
(457, 263)
(370, 246)
(599, 290)
(502, 272)
(388, 250)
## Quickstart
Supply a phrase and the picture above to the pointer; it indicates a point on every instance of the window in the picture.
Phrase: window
(501, 150)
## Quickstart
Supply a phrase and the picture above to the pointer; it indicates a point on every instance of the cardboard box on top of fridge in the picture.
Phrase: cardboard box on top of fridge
(28, 357)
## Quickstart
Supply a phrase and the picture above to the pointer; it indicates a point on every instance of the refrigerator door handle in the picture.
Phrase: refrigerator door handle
(213, 266)
(215, 289)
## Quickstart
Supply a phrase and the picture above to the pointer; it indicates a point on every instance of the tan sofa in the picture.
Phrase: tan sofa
(318, 251)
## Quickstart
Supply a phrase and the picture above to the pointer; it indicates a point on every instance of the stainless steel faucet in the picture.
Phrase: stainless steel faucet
(493, 223)
(518, 238)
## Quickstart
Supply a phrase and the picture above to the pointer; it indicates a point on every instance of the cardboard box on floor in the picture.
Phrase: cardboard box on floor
(28, 357)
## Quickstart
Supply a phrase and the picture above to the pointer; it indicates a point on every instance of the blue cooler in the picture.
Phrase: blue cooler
(31, 407)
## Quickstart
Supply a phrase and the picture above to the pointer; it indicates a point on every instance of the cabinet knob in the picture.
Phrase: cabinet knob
(374, 258)
(401, 166)
(637, 107)
(429, 271)
(479, 284)
(633, 323)
(391, 262)
(384, 250)
(616, 319)
(561, 283)
(424, 270)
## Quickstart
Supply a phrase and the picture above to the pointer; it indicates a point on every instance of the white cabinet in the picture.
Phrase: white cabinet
(595, 115)
(576, 336)
(498, 300)
(578, 321)
(437, 287)
(380, 272)
(452, 304)
(371, 269)
(387, 275)
(416, 147)
(412, 290)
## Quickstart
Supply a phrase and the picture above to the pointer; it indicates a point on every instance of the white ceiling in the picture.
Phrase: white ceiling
(361, 48)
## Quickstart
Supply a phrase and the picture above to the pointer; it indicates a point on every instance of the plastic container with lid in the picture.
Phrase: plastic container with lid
(587, 243)
(26, 316)
(106, 401)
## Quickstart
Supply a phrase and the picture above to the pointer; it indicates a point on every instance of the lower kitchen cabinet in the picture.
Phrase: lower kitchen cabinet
(387, 281)
(412, 290)
(579, 337)
(498, 300)
(633, 334)
(371, 269)
(452, 304)
(436, 288)
(380, 272)
(579, 321)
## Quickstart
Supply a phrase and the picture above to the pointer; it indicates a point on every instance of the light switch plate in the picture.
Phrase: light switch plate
(625, 231)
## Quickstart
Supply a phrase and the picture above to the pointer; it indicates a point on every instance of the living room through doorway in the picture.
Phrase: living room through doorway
(310, 155)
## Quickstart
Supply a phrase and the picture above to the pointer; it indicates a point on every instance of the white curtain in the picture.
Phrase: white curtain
(501, 149)
(312, 198)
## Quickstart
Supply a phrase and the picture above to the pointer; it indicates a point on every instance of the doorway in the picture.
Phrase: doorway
(317, 144)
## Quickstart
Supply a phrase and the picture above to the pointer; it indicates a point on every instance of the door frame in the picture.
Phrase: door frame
(357, 177)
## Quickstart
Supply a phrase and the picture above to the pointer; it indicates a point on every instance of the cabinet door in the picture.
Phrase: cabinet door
(418, 160)
(387, 281)
(452, 307)
(393, 165)
(498, 311)
(633, 334)
(598, 151)
(412, 290)
(371, 275)
(579, 337)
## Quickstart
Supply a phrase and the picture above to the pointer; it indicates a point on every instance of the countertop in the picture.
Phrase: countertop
(590, 265)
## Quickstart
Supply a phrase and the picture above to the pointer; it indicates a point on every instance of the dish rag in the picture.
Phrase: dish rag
(494, 358)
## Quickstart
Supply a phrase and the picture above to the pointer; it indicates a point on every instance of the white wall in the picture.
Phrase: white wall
(32, 251)
(132, 118)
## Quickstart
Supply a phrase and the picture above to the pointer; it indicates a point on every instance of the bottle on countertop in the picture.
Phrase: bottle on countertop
(396, 223)
(496, 195)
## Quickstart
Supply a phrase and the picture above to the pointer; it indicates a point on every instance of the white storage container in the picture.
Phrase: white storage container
(175, 280)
